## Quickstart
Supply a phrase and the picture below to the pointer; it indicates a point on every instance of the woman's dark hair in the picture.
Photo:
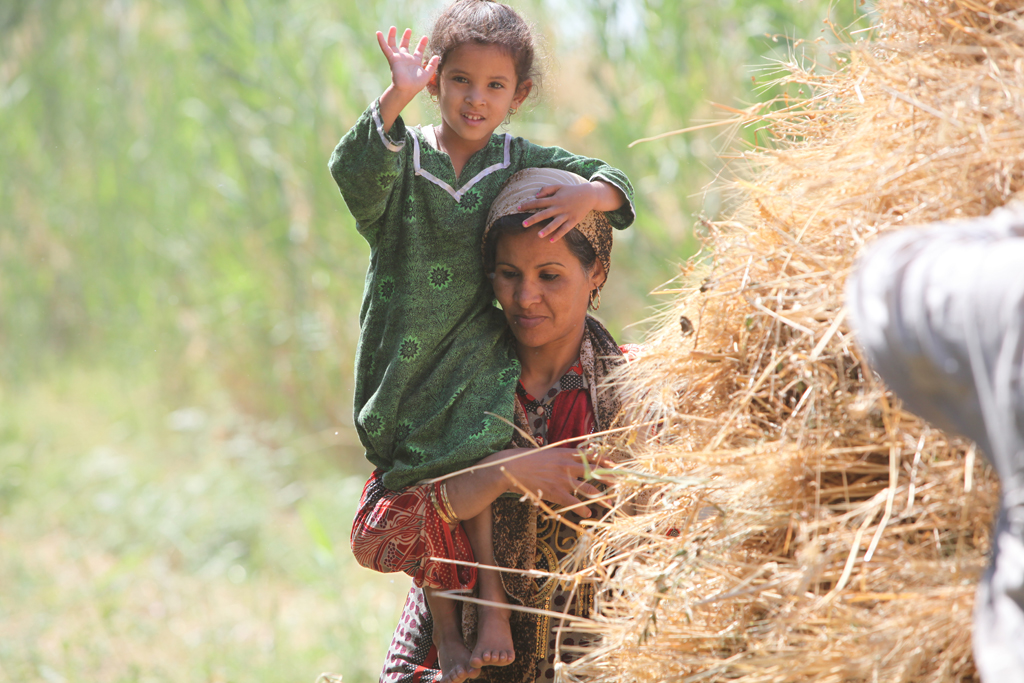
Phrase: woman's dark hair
(486, 23)
(513, 225)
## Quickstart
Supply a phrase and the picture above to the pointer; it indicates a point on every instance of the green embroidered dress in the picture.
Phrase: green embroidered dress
(434, 356)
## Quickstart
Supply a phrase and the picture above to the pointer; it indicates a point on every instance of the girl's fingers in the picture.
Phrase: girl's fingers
(591, 492)
(391, 38)
(562, 231)
(556, 229)
(537, 203)
(588, 473)
(431, 67)
(384, 47)
(405, 38)
(540, 216)
(421, 47)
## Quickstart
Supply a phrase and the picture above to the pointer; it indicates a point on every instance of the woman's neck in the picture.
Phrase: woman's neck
(543, 366)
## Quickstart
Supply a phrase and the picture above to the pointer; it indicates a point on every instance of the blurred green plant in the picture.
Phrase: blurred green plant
(164, 193)
(150, 543)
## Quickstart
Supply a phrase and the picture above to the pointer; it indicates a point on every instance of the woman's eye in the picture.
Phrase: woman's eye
(508, 274)
(549, 276)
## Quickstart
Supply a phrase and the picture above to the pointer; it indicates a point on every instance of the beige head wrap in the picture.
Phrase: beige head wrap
(524, 186)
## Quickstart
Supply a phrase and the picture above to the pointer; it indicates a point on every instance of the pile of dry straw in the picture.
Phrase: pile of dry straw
(803, 527)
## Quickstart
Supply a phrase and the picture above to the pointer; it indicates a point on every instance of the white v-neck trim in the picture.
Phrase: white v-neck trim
(431, 139)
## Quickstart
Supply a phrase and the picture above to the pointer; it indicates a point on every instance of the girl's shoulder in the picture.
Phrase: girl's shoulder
(527, 153)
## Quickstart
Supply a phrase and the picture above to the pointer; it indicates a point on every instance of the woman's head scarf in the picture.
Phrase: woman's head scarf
(524, 186)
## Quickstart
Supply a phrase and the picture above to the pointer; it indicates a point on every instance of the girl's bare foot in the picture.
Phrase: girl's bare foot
(453, 658)
(494, 638)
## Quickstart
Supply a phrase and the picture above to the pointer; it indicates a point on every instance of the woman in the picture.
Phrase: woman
(544, 290)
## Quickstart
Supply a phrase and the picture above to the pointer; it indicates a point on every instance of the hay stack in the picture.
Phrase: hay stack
(803, 527)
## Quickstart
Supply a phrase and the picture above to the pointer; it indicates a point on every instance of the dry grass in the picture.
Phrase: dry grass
(801, 525)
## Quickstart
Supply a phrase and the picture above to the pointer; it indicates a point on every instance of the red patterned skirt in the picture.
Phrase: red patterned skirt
(401, 531)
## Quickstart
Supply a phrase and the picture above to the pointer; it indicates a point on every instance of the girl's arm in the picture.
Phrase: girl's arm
(555, 474)
(370, 157)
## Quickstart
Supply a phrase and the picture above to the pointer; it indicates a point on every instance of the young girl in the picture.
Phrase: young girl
(434, 358)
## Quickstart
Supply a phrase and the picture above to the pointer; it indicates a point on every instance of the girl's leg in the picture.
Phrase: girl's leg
(452, 654)
(494, 636)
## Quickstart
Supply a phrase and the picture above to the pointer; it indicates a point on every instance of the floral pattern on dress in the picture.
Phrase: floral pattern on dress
(440, 277)
(386, 288)
(373, 424)
(402, 430)
(409, 349)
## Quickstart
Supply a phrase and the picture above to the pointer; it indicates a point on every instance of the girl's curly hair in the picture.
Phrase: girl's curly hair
(486, 23)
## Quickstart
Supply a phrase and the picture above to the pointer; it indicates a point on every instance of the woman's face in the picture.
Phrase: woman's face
(543, 289)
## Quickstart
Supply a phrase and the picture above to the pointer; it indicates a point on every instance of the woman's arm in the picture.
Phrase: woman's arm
(391, 530)
(555, 474)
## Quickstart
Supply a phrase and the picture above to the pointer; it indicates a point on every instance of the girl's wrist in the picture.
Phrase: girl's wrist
(609, 197)
(399, 96)
(392, 102)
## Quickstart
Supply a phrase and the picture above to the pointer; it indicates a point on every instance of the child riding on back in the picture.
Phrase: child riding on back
(435, 368)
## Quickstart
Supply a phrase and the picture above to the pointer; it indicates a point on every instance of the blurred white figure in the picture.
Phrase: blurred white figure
(939, 311)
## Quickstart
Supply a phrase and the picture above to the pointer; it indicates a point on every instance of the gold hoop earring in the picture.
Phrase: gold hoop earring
(595, 298)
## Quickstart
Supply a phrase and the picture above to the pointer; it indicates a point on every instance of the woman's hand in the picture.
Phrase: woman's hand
(554, 474)
(566, 205)
(408, 73)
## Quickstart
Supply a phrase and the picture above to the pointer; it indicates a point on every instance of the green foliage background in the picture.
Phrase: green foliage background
(164, 191)
(170, 237)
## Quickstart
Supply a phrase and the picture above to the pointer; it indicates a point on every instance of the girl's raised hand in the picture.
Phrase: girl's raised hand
(408, 73)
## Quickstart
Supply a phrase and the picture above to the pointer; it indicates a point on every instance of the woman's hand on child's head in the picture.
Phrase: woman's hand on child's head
(564, 205)
(408, 72)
